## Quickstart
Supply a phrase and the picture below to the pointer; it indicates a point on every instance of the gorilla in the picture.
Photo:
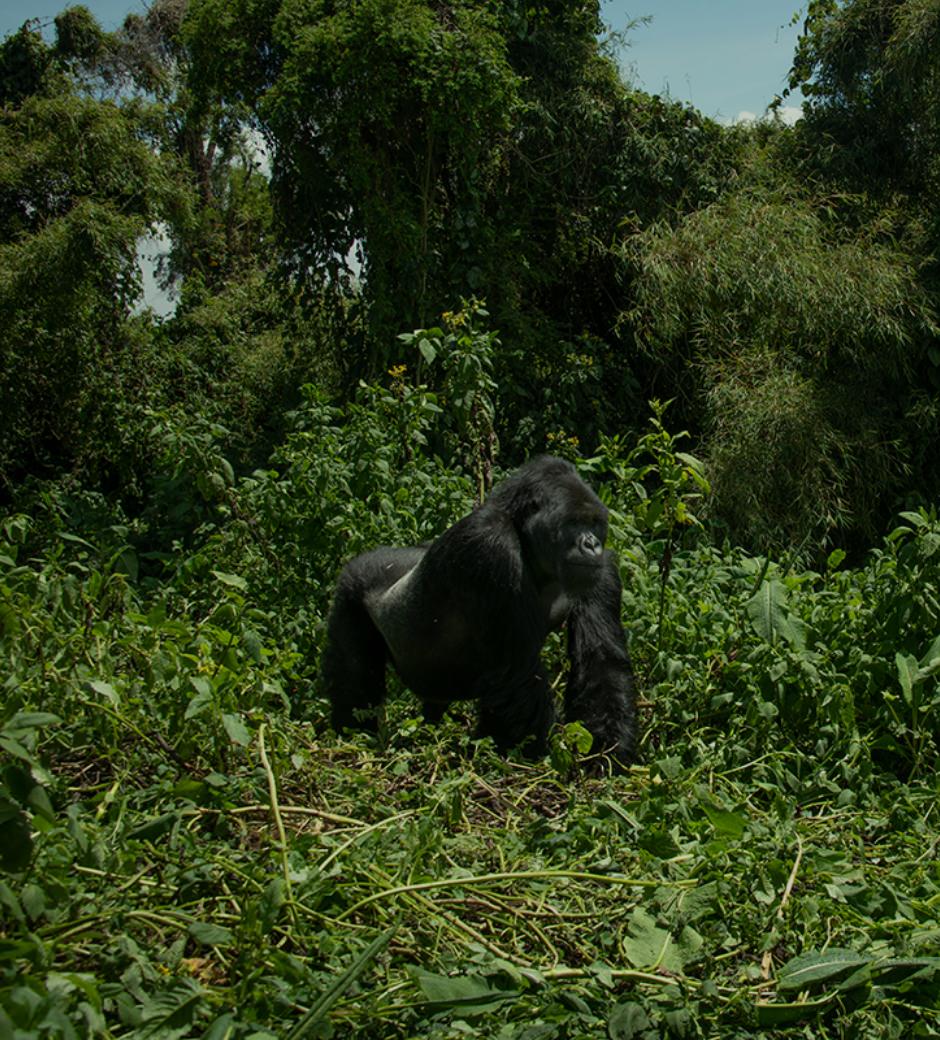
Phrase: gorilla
(464, 618)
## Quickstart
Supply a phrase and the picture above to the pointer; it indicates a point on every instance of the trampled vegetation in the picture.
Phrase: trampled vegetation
(186, 848)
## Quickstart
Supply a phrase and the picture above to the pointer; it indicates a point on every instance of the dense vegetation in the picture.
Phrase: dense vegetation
(186, 849)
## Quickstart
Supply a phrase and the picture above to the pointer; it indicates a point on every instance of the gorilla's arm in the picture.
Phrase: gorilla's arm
(600, 691)
(467, 617)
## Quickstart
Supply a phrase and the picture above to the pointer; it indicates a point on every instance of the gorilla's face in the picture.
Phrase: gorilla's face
(582, 552)
(566, 538)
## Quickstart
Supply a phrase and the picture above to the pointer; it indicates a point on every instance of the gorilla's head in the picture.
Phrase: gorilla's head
(562, 524)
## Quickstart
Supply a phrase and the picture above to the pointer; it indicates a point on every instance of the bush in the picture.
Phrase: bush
(795, 348)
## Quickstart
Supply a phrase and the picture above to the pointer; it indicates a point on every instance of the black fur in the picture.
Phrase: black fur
(466, 616)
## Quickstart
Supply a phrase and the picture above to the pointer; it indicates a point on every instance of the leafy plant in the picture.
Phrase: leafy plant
(464, 353)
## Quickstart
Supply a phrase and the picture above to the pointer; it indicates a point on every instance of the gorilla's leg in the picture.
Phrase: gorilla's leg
(519, 713)
(353, 664)
(601, 691)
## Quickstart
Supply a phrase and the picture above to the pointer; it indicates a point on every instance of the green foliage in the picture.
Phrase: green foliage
(868, 69)
(655, 488)
(81, 180)
(24, 65)
(464, 354)
(798, 358)
(390, 115)
(77, 188)
(238, 357)
(79, 36)
(831, 300)
(597, 163)
(180, 854)
(662, 485)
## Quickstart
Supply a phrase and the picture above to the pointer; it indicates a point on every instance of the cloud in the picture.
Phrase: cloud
(788, 114)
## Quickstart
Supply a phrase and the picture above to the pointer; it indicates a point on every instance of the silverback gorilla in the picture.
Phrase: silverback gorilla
(465, 617)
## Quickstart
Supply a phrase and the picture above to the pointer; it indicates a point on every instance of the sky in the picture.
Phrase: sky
(727, 57)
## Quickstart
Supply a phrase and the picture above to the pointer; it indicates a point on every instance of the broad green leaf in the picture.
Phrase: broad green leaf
(14, 747)
(252, 644)
(67, 537)
(858, 979)
(461, 991)
(33, 899)
(154, 827)
(223, 1028)
(38, 801)
(197, 705)
(32, 720)
(903, 971)
(771, 1015)
(796, 632)
(629, 1021)
(106, 690)
(172, 1013)
(649, 946)
(725, 822)
(201, 685)
(130, 563)
(907, 675)
(236, 729)
(680, 1024)
(814, 968)
(767, 609)
(835, 559)
(234, 581)
(932, 654)
(698, 902)
(688, 944)
(210, 934)
(659, 842)
(578, 737)
(272, 899)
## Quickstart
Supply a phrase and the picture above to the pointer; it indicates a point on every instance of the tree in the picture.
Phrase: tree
(220, 223)
(869, 71)
(78, 187)
(386, 118)
(460, 149)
